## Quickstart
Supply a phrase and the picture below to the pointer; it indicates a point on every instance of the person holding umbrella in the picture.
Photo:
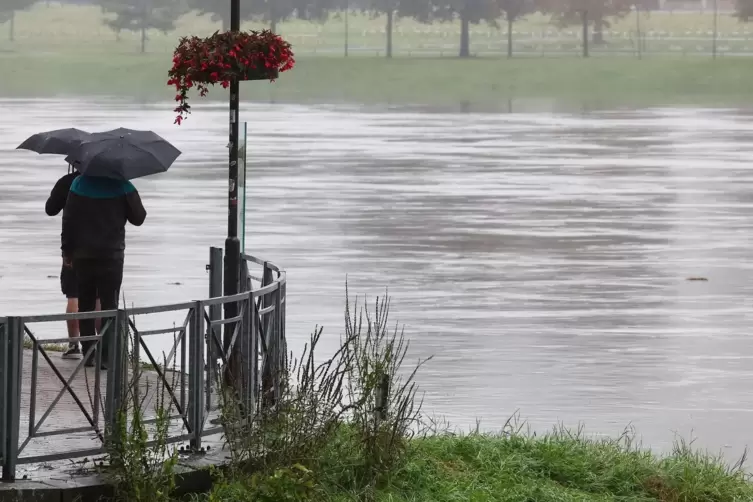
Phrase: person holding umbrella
(62, 142)
(68, 282)
(100, 203)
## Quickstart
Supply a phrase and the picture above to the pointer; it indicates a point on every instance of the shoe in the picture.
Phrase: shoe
(90, 363)
(73, 352)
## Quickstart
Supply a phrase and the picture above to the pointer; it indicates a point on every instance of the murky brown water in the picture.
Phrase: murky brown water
(541, 258)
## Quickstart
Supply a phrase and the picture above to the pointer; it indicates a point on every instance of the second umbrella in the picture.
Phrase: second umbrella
(123, 157)
(59, 141)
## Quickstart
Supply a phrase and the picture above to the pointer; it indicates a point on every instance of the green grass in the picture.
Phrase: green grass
(67, 51)
(49, 347)
(558, 467)
(410, 81)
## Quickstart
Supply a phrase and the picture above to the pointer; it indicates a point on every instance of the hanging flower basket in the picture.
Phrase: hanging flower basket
(201, 62)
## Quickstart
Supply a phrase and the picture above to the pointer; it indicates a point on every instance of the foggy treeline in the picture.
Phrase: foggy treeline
(593, 16)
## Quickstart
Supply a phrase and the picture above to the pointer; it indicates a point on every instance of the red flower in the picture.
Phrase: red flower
(224, 57)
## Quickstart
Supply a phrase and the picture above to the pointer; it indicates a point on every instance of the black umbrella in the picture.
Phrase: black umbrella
(123, 156)
(59, 141)
(133, 134)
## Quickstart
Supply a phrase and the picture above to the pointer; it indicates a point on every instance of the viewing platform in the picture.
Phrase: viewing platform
(55, 413)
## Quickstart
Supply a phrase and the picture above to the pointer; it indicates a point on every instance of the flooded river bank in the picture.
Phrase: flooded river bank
(542, 259)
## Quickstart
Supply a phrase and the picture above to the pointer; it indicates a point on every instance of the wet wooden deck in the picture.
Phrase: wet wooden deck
(67, 414)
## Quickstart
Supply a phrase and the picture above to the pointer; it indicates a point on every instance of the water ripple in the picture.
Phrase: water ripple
(541, 258)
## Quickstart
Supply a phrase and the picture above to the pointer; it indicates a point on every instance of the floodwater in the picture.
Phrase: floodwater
(541, 258)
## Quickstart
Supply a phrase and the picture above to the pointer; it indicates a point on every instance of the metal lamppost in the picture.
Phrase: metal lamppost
(232, 243)
(347, 8)
(716, 28)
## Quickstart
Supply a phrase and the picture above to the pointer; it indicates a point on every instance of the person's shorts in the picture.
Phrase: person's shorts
(68, 282)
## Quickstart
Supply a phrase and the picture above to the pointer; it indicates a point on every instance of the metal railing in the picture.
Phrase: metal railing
(34, 385)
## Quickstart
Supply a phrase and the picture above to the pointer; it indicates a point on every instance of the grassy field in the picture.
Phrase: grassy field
(448, 82)
(66, 51)
(559, 467)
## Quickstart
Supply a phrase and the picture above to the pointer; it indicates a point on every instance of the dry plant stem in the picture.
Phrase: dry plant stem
(360, 390)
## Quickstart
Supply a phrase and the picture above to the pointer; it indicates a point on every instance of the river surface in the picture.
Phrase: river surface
(541, 258)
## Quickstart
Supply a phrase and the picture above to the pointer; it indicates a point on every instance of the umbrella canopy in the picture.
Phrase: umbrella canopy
(133, 134)
(123, 154)
(59, 141)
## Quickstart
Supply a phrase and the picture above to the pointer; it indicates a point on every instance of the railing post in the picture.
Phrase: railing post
(283, 337)
(268, 369)
(253, 377)
(196, 365)
(4, 330)
(279, 345)
(215, 311)
(245, 340)
(12, 394)
(117, 363)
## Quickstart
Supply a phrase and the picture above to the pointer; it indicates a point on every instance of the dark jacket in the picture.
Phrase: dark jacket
(58, 196)
(95, 216)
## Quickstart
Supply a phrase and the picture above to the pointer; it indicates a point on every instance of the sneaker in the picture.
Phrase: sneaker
(73, 352)
(91, 362)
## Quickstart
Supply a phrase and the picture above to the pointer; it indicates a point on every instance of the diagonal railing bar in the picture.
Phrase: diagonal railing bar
(179, 339)
(214, 339)
(236, 330)
(66, 387)
(260, 324)
(257, 309)
(211, 330)
(161, 374)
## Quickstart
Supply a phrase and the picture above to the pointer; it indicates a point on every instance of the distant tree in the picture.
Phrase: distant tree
(744, 10)
(588, 13)
(142, 16)
(220, 10)
(268, 11)
(469, 12)
(393, 9)
(513, 10)
(8, 9)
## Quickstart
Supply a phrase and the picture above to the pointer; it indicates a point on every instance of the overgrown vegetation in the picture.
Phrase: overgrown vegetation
(350, 428)
(141, 461)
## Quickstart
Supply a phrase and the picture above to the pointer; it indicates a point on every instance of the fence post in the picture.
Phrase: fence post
(117, 364)
(215, 311)
(246, 344)
(283, 336)
(12, 399)
(196, 374)
(253, 378)
(268, 376)
(3, 386)
(278, 343)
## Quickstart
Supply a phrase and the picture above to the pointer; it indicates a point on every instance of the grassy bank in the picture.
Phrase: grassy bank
(422, 81)
(559, 467)
(351, 429)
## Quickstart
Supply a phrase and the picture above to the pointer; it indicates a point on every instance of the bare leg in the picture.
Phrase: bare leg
(73, 351)
(72, 308)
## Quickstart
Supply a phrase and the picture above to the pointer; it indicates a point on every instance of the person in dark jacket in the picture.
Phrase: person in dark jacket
(93, 238)
(68, 283)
